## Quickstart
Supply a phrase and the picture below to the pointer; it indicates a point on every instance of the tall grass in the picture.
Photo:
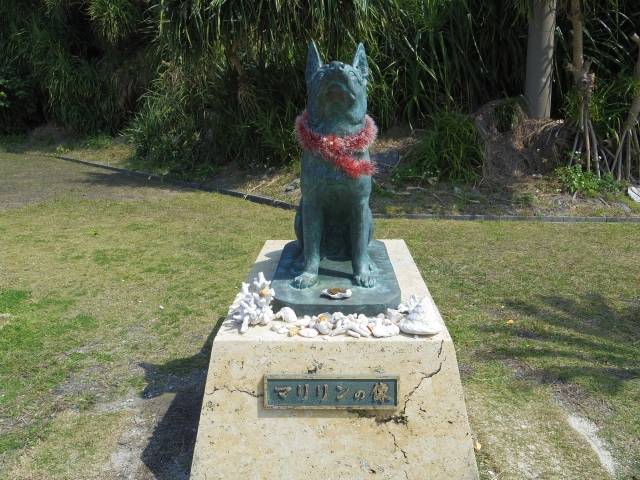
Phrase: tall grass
(423, 56)
(450, 150)
(197, 82)
(69, 52)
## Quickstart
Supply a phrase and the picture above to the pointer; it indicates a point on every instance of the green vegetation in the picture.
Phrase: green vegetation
(197, 83)
(107, 302)
(507, 115)
(450, 150)
(574, 179)
(609, 104)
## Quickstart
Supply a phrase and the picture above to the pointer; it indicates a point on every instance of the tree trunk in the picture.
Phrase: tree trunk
(540, 44)
(575, 15)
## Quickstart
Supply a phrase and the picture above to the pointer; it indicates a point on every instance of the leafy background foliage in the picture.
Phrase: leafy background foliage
(201, 82)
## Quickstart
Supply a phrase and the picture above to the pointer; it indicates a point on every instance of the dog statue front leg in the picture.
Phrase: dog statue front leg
(364, 271)
(312, 235)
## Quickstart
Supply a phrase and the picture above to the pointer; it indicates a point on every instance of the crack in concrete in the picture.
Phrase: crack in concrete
(440, 349)
(424, 377)
(395, 444)
(401, 418)
(397, 447)
(234, 390)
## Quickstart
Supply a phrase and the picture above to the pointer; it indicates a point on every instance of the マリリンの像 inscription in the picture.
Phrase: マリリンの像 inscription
(359, 392)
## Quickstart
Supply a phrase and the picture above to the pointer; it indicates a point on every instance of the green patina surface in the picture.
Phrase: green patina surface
(334, 215)
(339, 274)
(291, 391)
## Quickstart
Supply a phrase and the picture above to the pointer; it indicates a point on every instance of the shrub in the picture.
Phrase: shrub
(451, 150)
(507, 115)
(191, 121)
(19, 102)
(573, 179)
(73, 58)
(90, 61)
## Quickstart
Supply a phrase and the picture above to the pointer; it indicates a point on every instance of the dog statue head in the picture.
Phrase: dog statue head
(337, 93)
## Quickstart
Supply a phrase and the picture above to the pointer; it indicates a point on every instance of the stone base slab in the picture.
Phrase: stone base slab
(426, 437)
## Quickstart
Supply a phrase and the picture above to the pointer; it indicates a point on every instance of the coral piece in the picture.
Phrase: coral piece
(384, 328)
(253, 307)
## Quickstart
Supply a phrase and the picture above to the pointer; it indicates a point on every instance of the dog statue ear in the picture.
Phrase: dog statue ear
(360, 61)
(313, 61)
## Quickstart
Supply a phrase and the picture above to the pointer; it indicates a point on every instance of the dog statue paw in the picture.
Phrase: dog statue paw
(305, 280)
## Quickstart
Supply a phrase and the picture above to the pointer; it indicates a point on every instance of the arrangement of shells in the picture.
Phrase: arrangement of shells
(253, 307)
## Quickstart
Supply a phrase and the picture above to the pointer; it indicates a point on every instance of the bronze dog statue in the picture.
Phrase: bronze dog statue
(334, 219)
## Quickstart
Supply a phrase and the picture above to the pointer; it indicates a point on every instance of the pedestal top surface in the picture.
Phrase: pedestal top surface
(406, 272)
(336, 274)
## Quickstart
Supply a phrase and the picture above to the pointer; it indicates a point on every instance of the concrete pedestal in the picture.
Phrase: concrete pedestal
(426, 437)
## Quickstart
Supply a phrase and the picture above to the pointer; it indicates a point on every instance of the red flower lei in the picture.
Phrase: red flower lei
(339, 150)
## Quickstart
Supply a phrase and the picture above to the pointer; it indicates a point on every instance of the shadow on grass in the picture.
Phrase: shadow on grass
(120, 180)
(170, 449)
(561, 340)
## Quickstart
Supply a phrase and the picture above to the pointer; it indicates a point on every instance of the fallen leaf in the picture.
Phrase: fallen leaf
(477, 446)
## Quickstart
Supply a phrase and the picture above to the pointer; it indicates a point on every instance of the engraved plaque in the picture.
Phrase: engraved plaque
(311, 391)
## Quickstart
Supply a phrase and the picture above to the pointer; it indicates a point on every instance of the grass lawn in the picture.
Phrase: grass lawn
(108, 303)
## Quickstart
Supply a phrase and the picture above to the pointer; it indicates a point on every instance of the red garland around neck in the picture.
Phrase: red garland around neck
(339, 150)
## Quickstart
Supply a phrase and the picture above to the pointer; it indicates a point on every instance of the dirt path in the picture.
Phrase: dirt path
(26, 179)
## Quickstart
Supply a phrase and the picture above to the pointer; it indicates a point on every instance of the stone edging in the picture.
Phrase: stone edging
(260, 199)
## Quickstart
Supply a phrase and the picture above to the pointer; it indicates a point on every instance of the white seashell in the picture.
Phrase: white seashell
(335, 317)
(337, 293)
(324, 327)
(304, 321)
(351, 333)
(421, 318)
(286, 314)
(279, 328)
(308, 332)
